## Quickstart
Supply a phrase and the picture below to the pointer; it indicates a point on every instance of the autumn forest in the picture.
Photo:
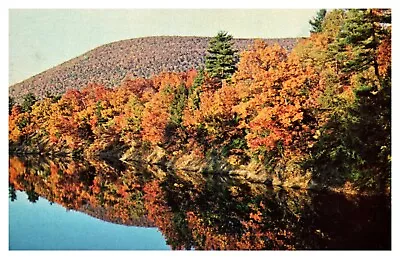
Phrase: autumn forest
(316, 117)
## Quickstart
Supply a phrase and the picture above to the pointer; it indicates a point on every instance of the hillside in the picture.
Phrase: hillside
(110, 63)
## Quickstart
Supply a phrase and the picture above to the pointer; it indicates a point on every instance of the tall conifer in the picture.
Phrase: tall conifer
(221, 59)
(363, 31)
(316, 23)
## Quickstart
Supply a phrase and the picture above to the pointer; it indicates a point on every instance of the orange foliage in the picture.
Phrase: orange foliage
(167, 79)
(385, 56)
(274, 90)
(16, 168)
(67, 184)
(158, 210)
(155, 117)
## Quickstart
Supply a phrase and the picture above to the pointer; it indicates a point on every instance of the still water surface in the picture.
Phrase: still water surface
(45, 226)
(62, 204)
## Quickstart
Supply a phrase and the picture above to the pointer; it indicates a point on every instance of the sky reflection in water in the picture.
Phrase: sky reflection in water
(41, 226)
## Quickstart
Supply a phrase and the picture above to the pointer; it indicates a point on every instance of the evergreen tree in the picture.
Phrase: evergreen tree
(363, 31)
(316, 23)
(29, 100)
(33, 197)
(356, 141)
(221, 59)
(194, 91)
(11, 103)
(178, 105)
(12, 192)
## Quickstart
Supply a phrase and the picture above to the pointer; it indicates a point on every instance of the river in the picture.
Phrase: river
(66, 204)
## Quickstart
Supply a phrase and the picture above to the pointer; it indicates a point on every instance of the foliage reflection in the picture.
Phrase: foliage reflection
(204, 211)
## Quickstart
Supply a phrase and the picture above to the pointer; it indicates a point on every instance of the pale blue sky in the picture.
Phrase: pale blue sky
(41, 39)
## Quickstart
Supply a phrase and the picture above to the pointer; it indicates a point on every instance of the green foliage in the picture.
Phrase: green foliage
(354, 142)
(135, 108)
(11, 103)
(11, 192)
(355, 146)
(195, 89)
(29, 100)
(178, 104)
(221, 59)
(55, 99)
(99, 108)
(32, 195)
(316, 22)
(234, 144)
(362, 31)
(23, 123)
(332, 23)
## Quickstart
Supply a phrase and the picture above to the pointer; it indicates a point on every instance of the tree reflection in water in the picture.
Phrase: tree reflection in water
(206, 211)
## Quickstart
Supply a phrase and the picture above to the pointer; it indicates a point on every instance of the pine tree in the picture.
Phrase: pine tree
(178, 105)
(316, 23)
(363, 31)
(358, 145)
(12, 192)
(221, 59)
(11, 103)
(29, 100)
(195, 90)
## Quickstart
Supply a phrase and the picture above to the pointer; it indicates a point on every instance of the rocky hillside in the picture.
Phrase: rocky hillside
(110, 63)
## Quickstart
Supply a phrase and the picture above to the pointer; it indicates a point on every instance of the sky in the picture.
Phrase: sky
(42, 38)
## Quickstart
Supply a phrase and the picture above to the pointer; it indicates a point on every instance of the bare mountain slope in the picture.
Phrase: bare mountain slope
(110, 63)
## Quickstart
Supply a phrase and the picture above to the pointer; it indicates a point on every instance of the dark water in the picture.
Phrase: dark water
(63, 204)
